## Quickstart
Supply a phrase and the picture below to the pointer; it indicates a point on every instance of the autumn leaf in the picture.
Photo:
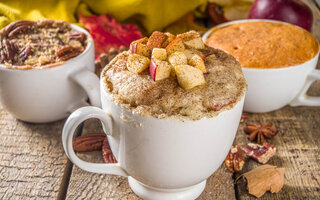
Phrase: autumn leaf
(108, 33)
(264, 178)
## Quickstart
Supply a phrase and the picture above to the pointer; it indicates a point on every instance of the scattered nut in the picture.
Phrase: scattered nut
(235, 159)
(88, 142)
(260, 153)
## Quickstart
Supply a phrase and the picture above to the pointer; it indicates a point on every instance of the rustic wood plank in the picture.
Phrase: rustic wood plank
(85, 185)
(32, 159)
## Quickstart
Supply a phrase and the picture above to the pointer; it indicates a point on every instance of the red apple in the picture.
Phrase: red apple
(292, 11)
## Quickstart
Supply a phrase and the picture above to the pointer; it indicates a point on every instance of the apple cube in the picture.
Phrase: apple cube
(192, 39)
(197, 62)
(159, 54)
(189, 77)
(178, 58)
(159, 69)
(140, 47)
(156, 40)
(175, 45)
(192, 52)
(170, 38)
(137, 63)
(173, 71)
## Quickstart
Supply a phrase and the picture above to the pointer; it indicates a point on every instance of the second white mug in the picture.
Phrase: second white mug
(50, 94)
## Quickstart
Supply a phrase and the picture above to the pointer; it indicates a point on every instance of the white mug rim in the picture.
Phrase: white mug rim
(206, 35)
(89, 46)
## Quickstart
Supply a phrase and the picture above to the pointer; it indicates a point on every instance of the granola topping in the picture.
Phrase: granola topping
(39, 44)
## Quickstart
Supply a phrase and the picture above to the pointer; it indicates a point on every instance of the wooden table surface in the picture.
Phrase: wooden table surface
(33, 164)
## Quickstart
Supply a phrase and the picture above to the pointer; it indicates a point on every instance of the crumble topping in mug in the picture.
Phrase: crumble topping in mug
(167, 76)
(39, 44)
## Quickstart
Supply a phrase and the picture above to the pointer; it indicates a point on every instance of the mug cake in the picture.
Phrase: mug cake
(174, 76)
(264, 44)
(39, 44)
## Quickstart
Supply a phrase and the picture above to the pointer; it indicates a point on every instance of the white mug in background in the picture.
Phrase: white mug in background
(50, 94)
(271, 89)
(162, 158)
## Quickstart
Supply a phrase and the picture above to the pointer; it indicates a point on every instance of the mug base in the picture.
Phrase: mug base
(151, 193)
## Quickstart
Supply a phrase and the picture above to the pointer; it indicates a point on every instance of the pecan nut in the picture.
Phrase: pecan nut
(107, 153)
(10, 49)
(67, 52)
(235, 159)
(17, 27)
(77, 36)
(260, 153)
(88, 142)
(25, 52)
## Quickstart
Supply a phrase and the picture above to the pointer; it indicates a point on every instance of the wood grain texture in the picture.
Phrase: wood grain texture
(85, 185)
(298, 151)
(32, 159)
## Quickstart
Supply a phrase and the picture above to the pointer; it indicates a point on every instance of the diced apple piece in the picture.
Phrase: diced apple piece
(175, 45)
(137, 63)
(189, 77)
(159, 69)
(192, 39)
(140, 47)
(156, 40)
(192, 52)
(178, 58)
(159, 54)
(173, 71)
(170, 38)
(197, 62)
(196, 43)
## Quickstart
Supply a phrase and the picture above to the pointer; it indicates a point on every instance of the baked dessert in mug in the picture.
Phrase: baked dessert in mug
(174, 76)
(39, 44)
(264, 44)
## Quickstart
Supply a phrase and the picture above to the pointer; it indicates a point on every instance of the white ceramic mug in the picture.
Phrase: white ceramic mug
(50, 94)
(271, 89)
(162, 158)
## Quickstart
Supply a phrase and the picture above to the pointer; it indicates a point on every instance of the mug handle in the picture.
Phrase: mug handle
(74, 120)
(304, 100)
(90, 83)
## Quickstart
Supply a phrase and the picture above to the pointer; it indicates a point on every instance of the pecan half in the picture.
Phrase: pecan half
(88, 142)
(25, 52)
(235, 159)
(19, 26)
(10, 49)
(107, 153)
(67, 52)
(77, 36)
(260, 153)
